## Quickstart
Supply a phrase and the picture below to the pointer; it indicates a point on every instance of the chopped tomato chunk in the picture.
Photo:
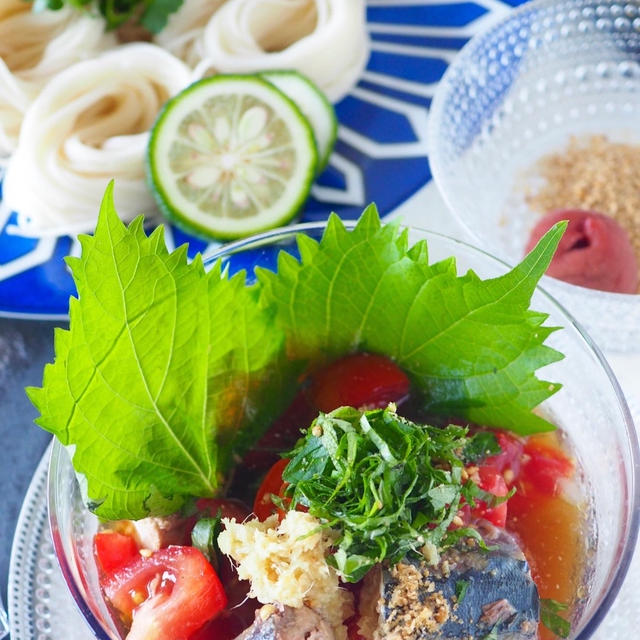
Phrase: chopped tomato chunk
(510, 456)
(492, 481)
(359, 380)
(544, 466)
(113, 550)
(168, 595)
(272, 484)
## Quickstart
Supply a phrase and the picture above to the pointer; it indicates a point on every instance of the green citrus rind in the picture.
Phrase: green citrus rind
(315, 106)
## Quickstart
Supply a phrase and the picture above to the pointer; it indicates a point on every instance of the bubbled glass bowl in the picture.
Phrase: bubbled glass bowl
(550, 70)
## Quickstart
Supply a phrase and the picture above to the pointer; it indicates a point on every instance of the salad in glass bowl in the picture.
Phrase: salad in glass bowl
(330, 433)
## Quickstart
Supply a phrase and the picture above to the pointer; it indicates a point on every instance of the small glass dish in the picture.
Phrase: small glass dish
(551, 70)
(590, 409)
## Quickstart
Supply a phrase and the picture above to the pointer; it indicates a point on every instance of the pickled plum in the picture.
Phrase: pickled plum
(595, 252)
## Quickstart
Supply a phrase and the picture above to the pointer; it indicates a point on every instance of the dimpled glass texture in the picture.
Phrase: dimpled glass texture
(550, 70)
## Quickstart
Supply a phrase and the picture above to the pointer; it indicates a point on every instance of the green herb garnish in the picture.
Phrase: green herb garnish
(168, 374)
(204, 537)
(461, 590)
(388, 485)
(480, 446)
(549, 610)
(151, 14)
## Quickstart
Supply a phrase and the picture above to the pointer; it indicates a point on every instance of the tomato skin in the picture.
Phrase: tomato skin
(271, 485)
(510, 456)
(492, 481)
(359, 380)
(168, 595)
(113, 550)
(544, 466)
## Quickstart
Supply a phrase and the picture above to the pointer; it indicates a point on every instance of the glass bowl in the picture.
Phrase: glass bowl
(590, 408)
(550, 70)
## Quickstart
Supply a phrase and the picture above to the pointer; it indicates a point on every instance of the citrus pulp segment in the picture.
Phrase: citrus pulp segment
(230, 156)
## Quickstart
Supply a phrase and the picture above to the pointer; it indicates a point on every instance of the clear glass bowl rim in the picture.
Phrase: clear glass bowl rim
(633, 523)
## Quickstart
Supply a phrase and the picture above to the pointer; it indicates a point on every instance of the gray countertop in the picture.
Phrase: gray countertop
(25, 346)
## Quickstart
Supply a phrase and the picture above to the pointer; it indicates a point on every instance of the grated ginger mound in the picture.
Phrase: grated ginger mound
(286, 565)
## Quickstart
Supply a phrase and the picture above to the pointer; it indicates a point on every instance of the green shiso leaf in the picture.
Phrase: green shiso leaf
(162, 367)
(470, 346)
(168, 373)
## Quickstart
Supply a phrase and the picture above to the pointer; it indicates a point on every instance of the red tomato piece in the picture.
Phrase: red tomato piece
(168, 595)
(492, 481)
(359, 380)
(544, 466)
(510, 456)
(113, 550)
(272, 484)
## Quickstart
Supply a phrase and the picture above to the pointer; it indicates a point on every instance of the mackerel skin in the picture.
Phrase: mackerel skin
(417, 601)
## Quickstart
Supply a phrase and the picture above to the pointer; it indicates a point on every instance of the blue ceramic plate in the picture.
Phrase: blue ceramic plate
(380, 155)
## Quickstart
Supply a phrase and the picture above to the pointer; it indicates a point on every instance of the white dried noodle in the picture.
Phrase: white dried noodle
(185, 26)
(324, 39)
(33, 48)
(90, 124)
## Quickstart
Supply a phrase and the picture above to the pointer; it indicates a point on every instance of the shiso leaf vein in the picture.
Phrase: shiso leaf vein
(168, 373)
(162, 367)
(470, 346)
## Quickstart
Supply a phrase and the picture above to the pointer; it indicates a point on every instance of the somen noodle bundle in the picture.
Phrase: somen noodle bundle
(89, 125)
(185, 27)
(325, 40)
(34, 46)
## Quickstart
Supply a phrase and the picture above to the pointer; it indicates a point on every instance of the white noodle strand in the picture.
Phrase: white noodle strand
(185, 27)
(34, 46)
(74, 121)
(88, 125)
(324, 39)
